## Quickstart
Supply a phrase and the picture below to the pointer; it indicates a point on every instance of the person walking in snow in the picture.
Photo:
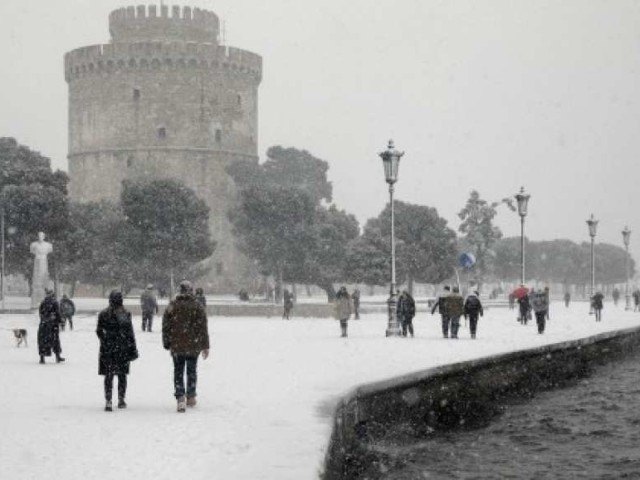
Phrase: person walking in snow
(636, 300)
(355, 296)
(441, 306)
(202, 300)
(540, 306)
(287, 304)
(473, 309)
(525, 309)
(67, 311)
(117, 348)
(455, 309)
(185, 334)
(597, 302)
(149, 306)
(49, 327)
(342, 309)
(567, 299)
(406, 310)
(616, 296)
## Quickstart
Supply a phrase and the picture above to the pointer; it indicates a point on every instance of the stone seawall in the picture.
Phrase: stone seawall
(465, 393)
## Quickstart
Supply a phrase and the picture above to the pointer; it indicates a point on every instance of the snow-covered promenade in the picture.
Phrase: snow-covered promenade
(265, 394)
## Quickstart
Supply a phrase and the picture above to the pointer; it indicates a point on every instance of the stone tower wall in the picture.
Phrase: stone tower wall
(164, 100)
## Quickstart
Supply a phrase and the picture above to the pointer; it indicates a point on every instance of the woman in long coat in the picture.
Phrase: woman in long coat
(117, 348)
(342, 309)
(49, 328)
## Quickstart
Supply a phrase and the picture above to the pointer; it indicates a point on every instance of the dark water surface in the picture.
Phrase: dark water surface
(590, 430)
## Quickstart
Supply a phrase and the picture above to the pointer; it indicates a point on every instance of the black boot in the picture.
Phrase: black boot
(41, 359)
(122, 403)
(59, 358)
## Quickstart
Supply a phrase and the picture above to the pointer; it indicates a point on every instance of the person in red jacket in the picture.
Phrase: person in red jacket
(185, 334)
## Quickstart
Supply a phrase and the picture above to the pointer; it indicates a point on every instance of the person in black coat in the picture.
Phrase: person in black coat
(49, 328)
(117, 348)
(597, 303)
(473, 309)
(525, 309)
(441, 306)
(406, 310)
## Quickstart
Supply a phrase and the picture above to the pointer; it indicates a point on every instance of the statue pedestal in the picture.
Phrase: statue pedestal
(37, 295)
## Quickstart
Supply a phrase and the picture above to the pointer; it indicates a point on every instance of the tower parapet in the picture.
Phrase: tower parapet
(148, 23)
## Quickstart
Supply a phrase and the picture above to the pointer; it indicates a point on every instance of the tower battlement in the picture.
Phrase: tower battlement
(121, 57)
(145, 23)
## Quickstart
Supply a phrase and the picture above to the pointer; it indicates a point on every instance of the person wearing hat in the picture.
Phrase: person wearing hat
(149, 306)
(49, 328)
(185, 334)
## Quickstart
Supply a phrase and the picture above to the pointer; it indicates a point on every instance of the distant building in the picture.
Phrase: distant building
(165, 100)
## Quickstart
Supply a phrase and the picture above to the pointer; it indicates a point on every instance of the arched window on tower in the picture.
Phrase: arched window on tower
(218, 135)
(136, 94)
(162, 133)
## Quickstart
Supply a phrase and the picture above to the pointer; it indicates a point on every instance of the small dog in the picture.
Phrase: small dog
(21, 336)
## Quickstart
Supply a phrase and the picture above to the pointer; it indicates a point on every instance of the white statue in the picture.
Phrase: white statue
(40, 280)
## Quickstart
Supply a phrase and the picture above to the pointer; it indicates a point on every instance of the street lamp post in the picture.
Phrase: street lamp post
(626, 236)
(523, 201)
(593, 227)
(391, 161)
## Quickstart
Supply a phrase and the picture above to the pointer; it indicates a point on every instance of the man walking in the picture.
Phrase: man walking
(406, 311)
(149, 307)
(473, 309)
(185, 334)
(455, 309)
(441, 306)
(67, 311)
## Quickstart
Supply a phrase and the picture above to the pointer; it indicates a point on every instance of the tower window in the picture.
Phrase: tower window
(219, 268)
(162, 132)
(136, 94)
(218, 135)
(239, 100)
(129, 162)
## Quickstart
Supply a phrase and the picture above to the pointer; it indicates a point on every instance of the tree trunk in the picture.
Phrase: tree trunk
(410, 284)
(329, 290)
(278, 289)
(308, 287)
(72, 293)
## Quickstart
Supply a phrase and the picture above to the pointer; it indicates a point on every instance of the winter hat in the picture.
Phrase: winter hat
(186, 287)
(150, 286)
(115, 298)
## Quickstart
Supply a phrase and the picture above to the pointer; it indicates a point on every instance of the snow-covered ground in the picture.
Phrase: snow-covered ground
(265, 394)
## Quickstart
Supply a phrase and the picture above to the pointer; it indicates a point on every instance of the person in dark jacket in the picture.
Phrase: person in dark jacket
(567, 299)
(455, 309)
(202, 300)
(540, 306)
(149, 306)
(441, 306)
(597, 303)
(406, 310)
(473, 309)
(67, 311)
(525, 309)
(355, 298)
(287, 303)
(49, 327)
(117, 348)
(185, 334)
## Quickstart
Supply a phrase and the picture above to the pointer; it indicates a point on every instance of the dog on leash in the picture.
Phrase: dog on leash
(21, 336)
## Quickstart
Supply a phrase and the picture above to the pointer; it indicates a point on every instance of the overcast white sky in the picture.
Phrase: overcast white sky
(484, 94)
